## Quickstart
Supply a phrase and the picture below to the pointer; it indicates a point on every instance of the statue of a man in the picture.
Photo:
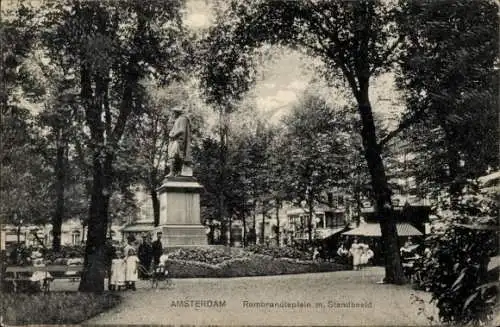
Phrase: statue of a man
(179, 148)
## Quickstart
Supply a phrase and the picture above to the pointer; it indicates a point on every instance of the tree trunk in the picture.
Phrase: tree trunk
(383, 207)
(230, 230)
(359, 205)
(455, 180)
(19, 235)
(262, 228)
(156, 207)
(95, 251)
(254, 221)
(309, 222)
(277, 223)
(95, 260)
(244, 236)
(60, 171)
(223, 222)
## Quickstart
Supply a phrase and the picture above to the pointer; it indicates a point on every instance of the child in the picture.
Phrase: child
(131, 273)
(366, 254)
(39, 276)
(369, 255)
(162, 264)
(72, 261)
(117, 279)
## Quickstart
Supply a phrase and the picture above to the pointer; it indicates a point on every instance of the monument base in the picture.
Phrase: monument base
(183, 235)
(180, 221)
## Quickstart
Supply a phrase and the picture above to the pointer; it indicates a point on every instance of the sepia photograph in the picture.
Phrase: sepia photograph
(249, 162)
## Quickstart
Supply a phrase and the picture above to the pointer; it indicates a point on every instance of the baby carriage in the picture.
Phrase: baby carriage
(156, 275)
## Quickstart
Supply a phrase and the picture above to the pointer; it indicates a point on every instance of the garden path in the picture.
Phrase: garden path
(388, 304)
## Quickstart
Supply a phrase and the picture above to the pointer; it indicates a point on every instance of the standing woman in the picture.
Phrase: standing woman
(355, 252)
(131, 272)
(117, 276)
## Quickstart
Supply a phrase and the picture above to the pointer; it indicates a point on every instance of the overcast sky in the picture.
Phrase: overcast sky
(284, 80)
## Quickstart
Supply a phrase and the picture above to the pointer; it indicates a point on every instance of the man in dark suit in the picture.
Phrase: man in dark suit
(145, 254)
(157, 249)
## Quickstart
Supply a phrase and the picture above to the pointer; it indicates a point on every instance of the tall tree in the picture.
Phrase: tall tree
(112, 46)
(449, 76)
(354, 39)
(60, 119)
(313, 153)
(150, 143)
(23, 183)
(207, 169)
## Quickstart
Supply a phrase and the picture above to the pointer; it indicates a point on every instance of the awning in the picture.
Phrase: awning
(373, 229)
(489, 178)
(320, 234)
(326, 233)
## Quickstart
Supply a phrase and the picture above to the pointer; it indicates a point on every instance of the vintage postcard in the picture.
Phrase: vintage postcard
(249, 162)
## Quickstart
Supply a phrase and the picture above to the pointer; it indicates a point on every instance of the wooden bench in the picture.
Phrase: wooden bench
(22, 274)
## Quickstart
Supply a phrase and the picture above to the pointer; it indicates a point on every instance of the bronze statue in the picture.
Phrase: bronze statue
(179, 148)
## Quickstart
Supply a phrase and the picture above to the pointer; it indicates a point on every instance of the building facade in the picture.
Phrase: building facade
(73, 233)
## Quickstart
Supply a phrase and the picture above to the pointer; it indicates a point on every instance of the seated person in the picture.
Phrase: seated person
(73, 261)
(40, 276)
(162, 264)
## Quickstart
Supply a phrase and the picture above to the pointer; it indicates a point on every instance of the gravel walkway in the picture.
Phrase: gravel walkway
(319, 299)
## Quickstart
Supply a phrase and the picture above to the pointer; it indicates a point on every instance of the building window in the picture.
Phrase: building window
(75, 237)
(334, 220)
(320, 219)
(330, 222)
(302, 221)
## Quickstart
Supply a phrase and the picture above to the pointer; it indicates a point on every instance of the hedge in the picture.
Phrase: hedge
(54, 308)
(255, 265)
(279, 252)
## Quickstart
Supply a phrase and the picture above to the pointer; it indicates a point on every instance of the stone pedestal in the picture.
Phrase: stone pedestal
(180, 220)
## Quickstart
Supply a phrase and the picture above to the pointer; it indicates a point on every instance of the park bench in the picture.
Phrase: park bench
(21, 275)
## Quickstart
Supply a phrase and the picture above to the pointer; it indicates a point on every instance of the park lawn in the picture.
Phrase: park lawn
(54, 308)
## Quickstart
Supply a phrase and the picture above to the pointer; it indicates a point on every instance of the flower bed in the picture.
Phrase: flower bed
(279, 252)
(250, 265)
(210, 255)
(54, 308)
(190, 269)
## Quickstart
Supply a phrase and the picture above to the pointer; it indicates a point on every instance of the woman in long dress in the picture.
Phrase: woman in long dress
(355, 252)
(131, 272)
(117, 279)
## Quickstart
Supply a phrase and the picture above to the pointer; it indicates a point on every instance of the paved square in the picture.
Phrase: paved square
(337, 298)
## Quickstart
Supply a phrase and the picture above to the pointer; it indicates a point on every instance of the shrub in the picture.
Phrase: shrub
(279, 252)
(210, 255)
(456, 269)
(190, 269)
(66, 252)
(250, 265)
(55, 307)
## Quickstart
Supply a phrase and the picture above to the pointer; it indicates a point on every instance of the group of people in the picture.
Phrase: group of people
(134, 262)
(359, 254)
